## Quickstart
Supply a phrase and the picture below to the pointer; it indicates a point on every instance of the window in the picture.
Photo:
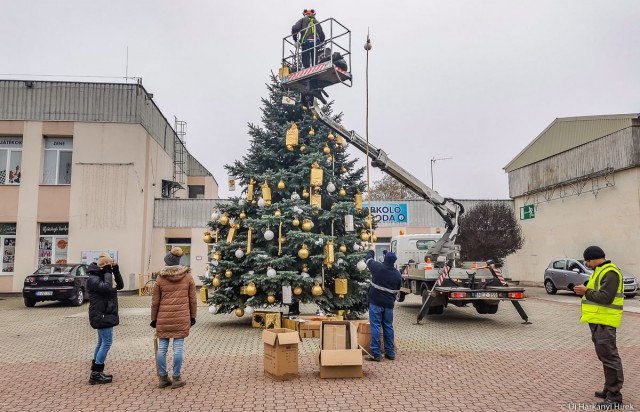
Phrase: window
(7, 246)
(558, 264)
(57, 160)
(424, 244)
(54, 239)
(196, 192)
(185, 245)
(10, 160)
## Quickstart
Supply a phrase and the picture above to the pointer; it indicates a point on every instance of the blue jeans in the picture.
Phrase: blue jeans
(381, 315)
(105, 338)
(163, 347)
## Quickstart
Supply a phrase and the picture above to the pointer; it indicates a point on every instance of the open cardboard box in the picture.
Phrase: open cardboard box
(280, 353)
(363, 328)
(339, 363)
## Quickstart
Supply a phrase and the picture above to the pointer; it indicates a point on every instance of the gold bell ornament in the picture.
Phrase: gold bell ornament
(271, 299)
(216, 282)
(305, 194)
(316, 175)
(359, 201)
(224, 219)
(239, 312)
(306, 225)
(297, 291)
(243, 215)
(326, 149)
(228, 273)
(343, 170)
(250, 190)
(296, 222)
(341, 287)
(339, 141)
(280, 184)
(312, 132)
(207, 237)
(251, 289)
(291, 139)
(316, 290)
(342, 192)
(304, 252)
(331, 136)
(343, 248)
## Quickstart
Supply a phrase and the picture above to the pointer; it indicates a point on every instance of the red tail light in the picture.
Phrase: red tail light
(515, 295)
(458, 295)
(30, 279)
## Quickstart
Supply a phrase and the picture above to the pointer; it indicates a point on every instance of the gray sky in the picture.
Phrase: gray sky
(472, 80)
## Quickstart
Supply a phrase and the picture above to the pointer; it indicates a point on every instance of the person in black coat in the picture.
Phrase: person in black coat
(103, 311)
(311, 35)
(386, 281)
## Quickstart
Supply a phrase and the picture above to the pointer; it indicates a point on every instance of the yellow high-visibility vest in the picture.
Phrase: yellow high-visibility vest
(598, 313)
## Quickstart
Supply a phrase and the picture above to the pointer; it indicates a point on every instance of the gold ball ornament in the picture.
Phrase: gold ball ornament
(277, 213)
(306, 225)
(251, 289)
(239, 312)
(364, 236)
(343, 170)
(316, 290)
(224, 219)
(303, 148)
(326, 150)
(304, 108)
(373, 237)
(296, 222)
(343, 249)
(217, 256)
(329, 159)
(304, 252)
(207, 238)
(331, 136)
(243, 215)
(228, 273)
(297, 291)
(289, 148)
(305, 194)
(312, 132)
(268, 203)
(280, 184)
(342, 192)
(216, 282)
(271, 299)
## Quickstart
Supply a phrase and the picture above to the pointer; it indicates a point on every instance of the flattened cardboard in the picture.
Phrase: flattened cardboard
(340, 363)
(280, 353)
(334, 337)
(364, 336)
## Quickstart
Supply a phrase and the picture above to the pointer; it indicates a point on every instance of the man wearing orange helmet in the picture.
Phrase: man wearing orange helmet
(311, 35)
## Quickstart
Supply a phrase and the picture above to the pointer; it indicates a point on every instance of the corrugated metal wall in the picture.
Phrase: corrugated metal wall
(90, 102)
(620, 150)
(183, 213)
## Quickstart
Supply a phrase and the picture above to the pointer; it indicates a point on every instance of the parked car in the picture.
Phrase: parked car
(564, 274)
(56, 282)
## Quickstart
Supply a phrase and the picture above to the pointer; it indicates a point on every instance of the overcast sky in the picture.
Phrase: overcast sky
(473, 80)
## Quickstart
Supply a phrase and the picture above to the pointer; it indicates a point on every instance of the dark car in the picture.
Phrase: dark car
(66, 282)
(564, 274)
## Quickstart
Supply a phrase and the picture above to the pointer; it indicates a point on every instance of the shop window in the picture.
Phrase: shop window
(54, 242)
(7, 246)
(185, 245)
(196, 192)
(10, 160)
(58, 154)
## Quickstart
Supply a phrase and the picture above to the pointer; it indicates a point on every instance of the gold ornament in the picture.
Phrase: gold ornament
(228, 273)
(364, 236)
(304, 108)
(329, 254)
(343, 249)
(251, 289)
(250, 190)
(316, 200)
(329, 159)
(316, 290)
(266, 193)
(243, 215)
(232, 232)
(239, 312)
(224, 219)
(331, 136)
(249, 240)
(306, 225)
(341, 287)
(305, 268)
(297, 291)
(271, 299)
(343, 170)
(316, 175)
(217, 256)
(280, 184)
(342, 192)
(304, 252)
(277, 213)
(216, 282)
(373, 237)
(291, 139)
(312, 132)
(207, 237)
(315, 117)
(296, 222)
(339, 141)
(326, 149)
(359, 201)
(303, 148)
(367, 221)
(305, 194)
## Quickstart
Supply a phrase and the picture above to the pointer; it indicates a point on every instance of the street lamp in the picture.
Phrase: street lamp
(433, 160)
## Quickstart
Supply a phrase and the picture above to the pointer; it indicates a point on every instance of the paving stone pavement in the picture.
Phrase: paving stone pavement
(459, 361)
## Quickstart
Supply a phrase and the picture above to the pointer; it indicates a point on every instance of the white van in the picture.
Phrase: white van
(412, 247)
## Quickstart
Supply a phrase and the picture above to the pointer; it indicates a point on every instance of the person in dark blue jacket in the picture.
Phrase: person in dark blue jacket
(385, 284)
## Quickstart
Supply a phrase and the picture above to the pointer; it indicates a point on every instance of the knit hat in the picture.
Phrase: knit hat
(593, 252)
(173, 257)
(104, 259)
(390, 258)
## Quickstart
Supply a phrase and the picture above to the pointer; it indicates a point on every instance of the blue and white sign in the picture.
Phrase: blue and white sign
(389, 212)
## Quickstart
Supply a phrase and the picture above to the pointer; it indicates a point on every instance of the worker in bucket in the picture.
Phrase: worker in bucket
(385, 285)
(310, 34)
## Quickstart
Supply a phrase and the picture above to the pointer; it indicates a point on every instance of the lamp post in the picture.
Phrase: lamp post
(433, 160)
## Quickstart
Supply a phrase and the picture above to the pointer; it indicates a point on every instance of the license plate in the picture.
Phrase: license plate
(629, 288)
(44, 293)
(486, 294)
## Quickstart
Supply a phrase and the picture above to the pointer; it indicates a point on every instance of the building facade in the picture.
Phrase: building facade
(81, 165)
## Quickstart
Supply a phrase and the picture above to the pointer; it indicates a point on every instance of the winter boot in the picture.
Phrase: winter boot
(164, 381)
(93, 362)
(97, 377)
(177, 382)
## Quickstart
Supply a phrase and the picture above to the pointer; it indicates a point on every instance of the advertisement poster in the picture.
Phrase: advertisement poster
(89, 256)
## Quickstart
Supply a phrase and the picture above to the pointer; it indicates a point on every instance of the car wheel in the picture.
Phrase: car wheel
(550, 287)
(79, 300)
(400, 296)
(29, 302)
(631, 295)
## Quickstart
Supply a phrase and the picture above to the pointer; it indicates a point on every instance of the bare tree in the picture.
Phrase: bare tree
(489, 231)
(389, 188)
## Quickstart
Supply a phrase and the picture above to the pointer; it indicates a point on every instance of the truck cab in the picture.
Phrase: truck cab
(412, 248)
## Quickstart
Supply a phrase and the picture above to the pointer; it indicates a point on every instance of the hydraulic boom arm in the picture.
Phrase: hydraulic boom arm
(447, 208)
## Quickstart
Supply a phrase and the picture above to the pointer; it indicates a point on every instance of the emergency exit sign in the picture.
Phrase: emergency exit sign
(527, 212)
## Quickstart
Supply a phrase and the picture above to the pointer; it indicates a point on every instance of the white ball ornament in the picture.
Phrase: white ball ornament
(304, 274)
(271, 273)
(356, 247)
(361, 265)
(331, 187)
(239, 253)
(242, 202)
(248, 310)
(340, 261)
(213, 309)
(261, 202)
(295, 196)
(268, 235)
(215, 216)
(214, 262)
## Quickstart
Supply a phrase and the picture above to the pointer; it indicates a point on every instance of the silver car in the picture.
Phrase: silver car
(564, 274)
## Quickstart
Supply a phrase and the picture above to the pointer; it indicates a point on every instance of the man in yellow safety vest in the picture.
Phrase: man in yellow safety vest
(311, 36)
(602, 300)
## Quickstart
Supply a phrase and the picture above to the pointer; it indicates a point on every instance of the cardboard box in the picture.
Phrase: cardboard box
(266, 320)
(290, 324)
(280, 353)
(334, 337)
(364, 336)
(340, 363)
(309, 329)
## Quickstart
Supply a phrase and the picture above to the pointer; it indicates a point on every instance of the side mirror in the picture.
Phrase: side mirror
(576, 270)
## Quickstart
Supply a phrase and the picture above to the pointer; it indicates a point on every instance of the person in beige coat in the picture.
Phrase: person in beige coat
(173, 312)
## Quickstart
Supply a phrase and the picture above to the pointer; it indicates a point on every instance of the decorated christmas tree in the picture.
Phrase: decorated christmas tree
(298, 232)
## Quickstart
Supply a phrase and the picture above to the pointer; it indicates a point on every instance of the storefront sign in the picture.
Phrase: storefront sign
(10, 142)
(54, 229)
(7, 229)
(389, 212)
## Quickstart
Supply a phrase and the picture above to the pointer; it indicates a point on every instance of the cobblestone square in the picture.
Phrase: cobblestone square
(459, 361)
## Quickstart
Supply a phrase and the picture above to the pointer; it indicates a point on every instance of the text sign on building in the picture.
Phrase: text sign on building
(389, 212)
(54, 229)
(7, 229)
(527, 212)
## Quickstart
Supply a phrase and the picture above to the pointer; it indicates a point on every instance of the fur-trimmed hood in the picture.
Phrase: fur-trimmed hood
(174, 273)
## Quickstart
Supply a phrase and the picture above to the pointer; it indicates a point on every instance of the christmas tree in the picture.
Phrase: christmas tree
(297, 233)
